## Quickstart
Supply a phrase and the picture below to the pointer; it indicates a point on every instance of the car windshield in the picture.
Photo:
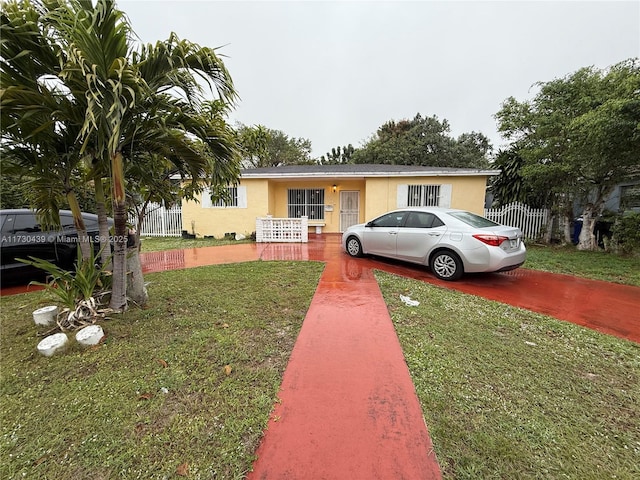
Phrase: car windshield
(473, 219)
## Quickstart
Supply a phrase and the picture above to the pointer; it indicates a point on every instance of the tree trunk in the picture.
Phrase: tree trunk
(136, 289)
(567, 228)
(586, 240)
(103, 224)
(548, 234)
(83, 239)
(119, 284)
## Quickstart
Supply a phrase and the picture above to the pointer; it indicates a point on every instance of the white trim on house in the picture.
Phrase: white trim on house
(357, 171)
(362, 175)
(242, 196)
(445, 195)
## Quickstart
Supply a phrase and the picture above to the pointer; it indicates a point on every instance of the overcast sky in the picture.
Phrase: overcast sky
(333, 72)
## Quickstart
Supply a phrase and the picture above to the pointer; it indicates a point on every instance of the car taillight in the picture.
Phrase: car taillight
(493, 240)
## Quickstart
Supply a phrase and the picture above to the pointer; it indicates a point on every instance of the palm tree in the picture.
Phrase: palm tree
(111, 104)
(38, 116)
(141, 101)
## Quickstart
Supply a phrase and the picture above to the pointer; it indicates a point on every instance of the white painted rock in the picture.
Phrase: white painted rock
(45, 315)
(240, 236)
(90, 335)
(52, 344)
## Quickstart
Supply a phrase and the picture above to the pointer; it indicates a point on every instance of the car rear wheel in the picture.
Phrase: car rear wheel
(354, 247)
(446, 265)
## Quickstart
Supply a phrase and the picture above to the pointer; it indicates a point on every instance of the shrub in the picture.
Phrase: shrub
(626, 233)
(80, 291)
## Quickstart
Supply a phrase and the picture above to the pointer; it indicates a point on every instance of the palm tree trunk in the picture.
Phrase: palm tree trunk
(119, 284)
(103, 224)
(83, 239)
(136, 289)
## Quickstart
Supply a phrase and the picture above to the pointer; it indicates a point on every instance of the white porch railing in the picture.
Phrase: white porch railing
(160, 221)
(531, 221)
(288, 230)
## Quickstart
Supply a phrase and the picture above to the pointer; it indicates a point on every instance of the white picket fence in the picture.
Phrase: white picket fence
(531, 221)
(160, 221)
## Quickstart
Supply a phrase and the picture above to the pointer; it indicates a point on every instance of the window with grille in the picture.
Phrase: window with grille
(236, 197)
(230, 201)
(423, 196)
(306, 201)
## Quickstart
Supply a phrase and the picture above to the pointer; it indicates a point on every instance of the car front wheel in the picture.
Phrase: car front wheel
(446, 265)
(354, 247)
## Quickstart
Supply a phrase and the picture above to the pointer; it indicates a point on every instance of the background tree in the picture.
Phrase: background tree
(253, 142)
(285, 150)
(579, 137)
(338, 156)
(264, 147)
(508, 187)
(424, 141)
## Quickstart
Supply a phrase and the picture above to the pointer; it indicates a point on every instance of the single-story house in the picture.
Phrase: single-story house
(333, 197)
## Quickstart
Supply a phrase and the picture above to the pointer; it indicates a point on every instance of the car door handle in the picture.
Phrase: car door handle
(393, 233)
(435, 234)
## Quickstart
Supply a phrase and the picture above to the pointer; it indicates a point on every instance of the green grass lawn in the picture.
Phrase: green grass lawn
(509, 394)
(188, 381)
(153, 244)
(598, 265)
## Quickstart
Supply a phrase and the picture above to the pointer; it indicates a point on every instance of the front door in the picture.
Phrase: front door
(349, 209)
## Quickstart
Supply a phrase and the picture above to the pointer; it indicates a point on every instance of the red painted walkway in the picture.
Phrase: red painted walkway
(348, 408)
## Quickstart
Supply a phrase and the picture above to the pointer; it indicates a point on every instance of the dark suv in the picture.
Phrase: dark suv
(23, 237)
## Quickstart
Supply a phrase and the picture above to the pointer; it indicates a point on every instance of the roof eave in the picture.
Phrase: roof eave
(422, 173)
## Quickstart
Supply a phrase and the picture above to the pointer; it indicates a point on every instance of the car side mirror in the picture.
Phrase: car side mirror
(369, 224)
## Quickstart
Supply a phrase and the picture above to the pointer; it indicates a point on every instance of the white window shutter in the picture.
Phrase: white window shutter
(403, 192)
(206, 198)
(445, 195)
(242, 197)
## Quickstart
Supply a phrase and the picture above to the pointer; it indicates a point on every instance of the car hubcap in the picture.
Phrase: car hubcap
(353, 247)
(445, 266)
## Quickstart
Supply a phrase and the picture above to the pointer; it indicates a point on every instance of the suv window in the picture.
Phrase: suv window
(25, 222)
(66, 222)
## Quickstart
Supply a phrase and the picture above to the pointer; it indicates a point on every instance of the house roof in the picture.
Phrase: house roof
(361, 171)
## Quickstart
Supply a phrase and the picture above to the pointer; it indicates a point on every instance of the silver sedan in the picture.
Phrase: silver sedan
(451, 242)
